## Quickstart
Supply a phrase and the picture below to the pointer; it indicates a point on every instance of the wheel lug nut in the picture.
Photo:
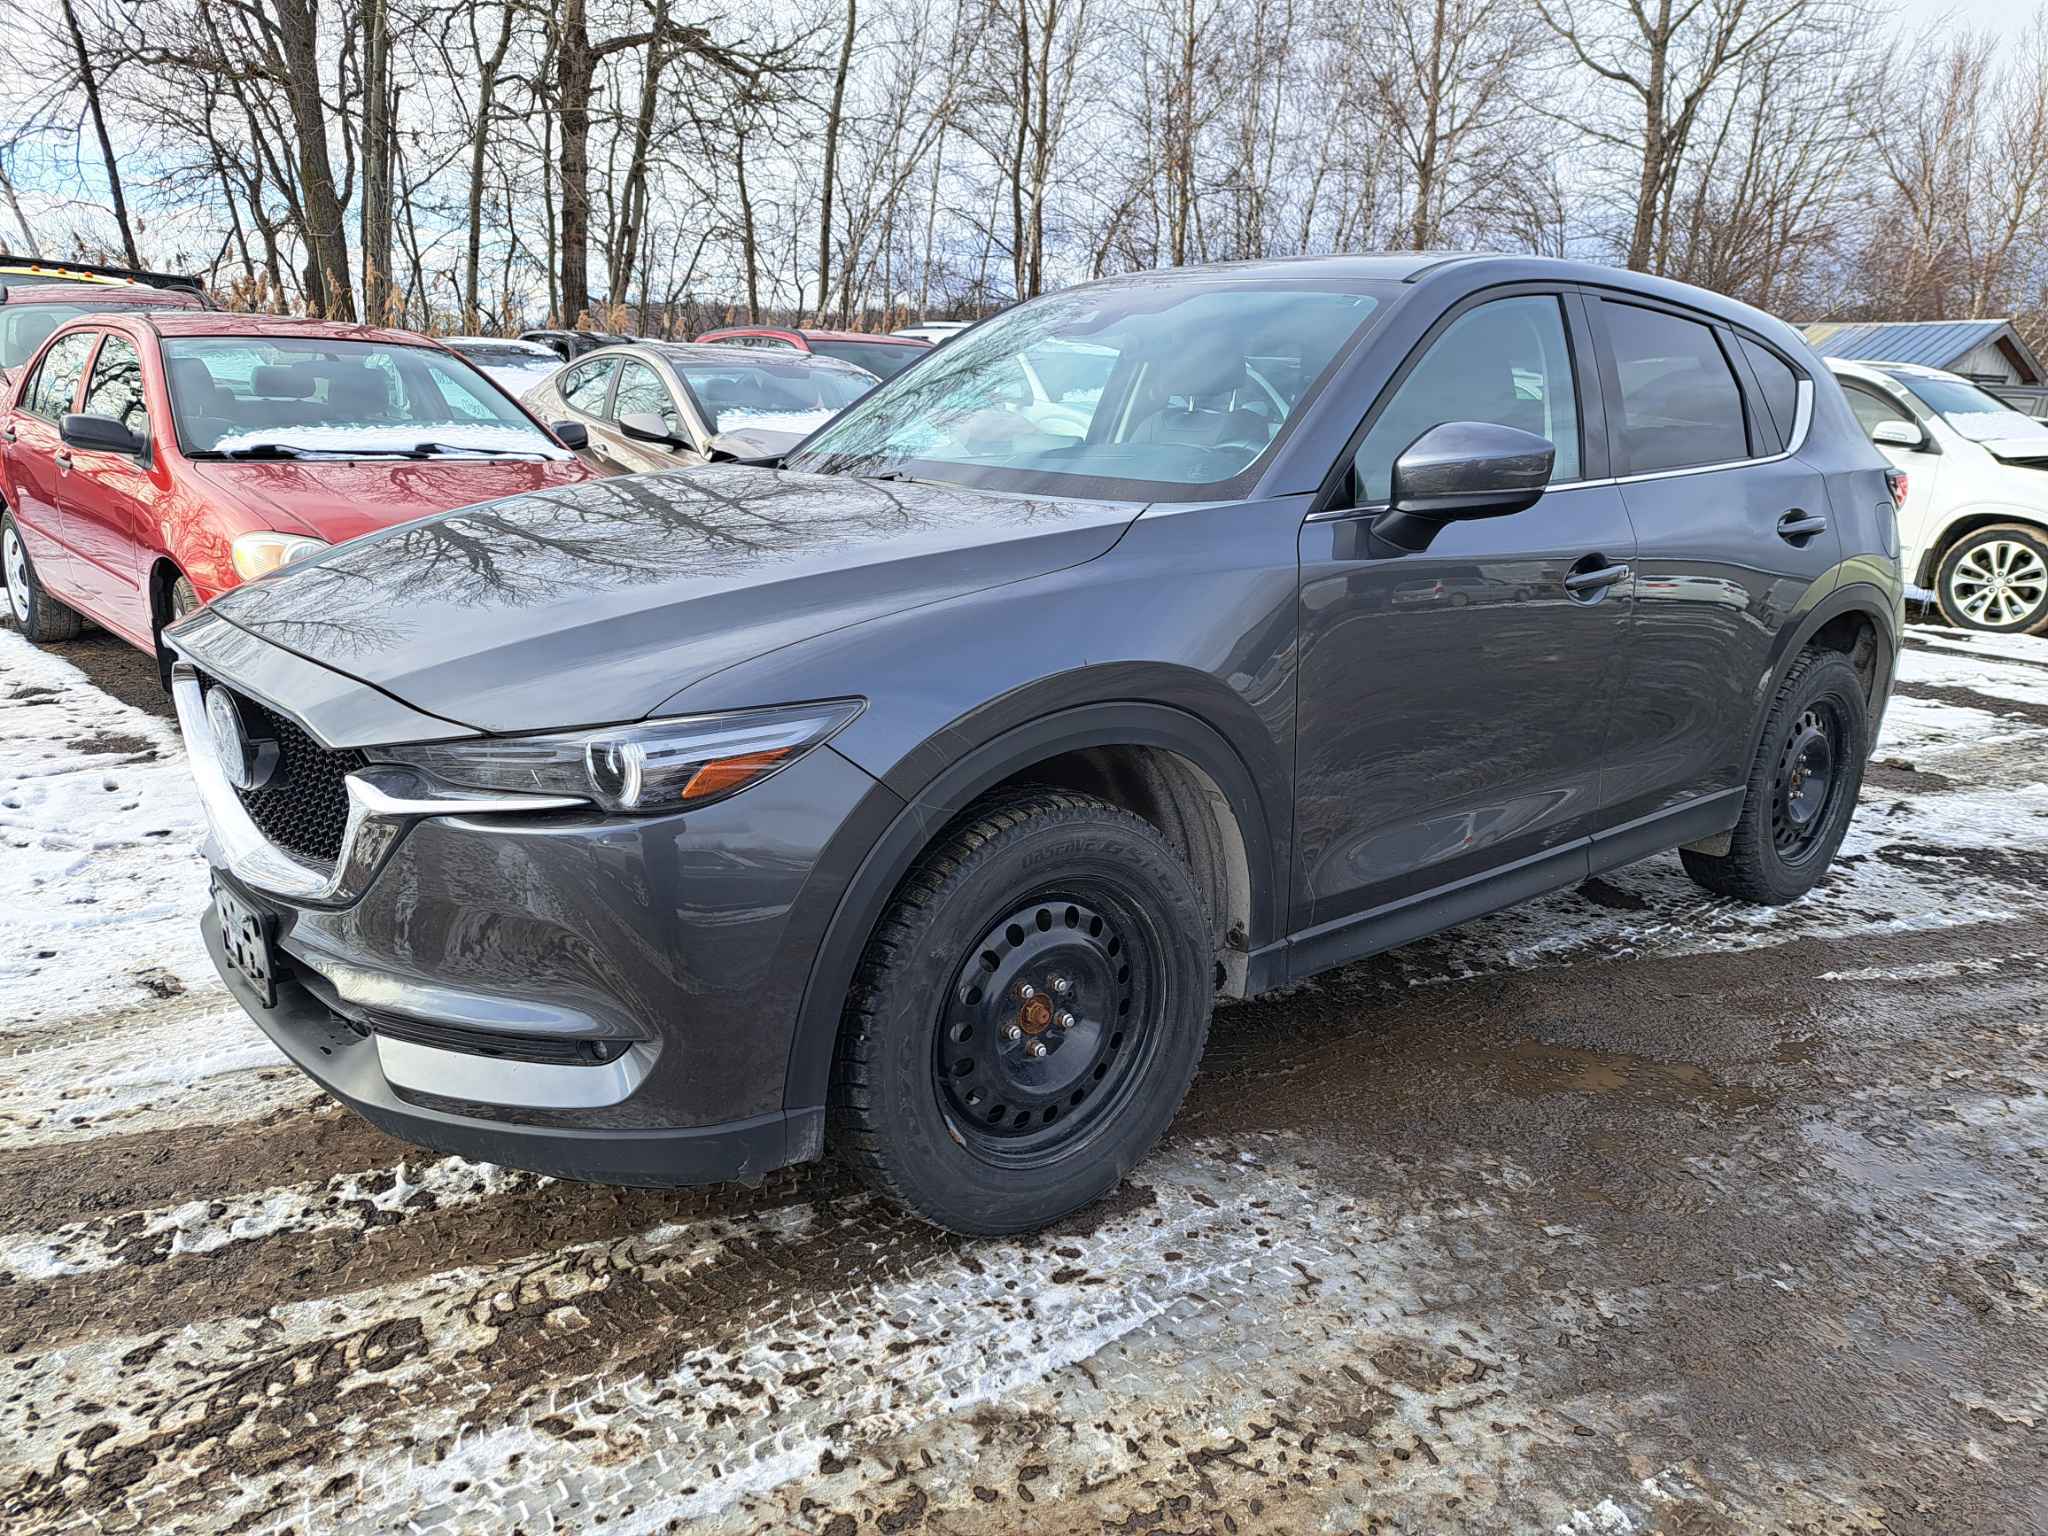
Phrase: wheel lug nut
(1026, 992)
(1012, 1032)
(1036, 1048)
(1066, 1020)
(1062, 986)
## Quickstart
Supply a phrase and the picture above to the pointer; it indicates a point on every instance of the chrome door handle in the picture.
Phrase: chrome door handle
(1578, 583)
(63, 459)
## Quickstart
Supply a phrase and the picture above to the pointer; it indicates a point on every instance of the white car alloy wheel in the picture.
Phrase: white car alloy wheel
(2001, 583)
(16, 561)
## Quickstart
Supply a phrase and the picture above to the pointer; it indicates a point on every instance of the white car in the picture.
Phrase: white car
(1974, 526)
(933, 331)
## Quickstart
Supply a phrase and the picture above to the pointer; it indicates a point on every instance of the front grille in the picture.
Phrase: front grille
(303, 807)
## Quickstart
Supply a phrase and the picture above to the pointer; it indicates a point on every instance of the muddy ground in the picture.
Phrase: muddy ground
(1629, 1211)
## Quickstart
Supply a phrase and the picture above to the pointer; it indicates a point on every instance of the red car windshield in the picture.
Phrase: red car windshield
(271, 397)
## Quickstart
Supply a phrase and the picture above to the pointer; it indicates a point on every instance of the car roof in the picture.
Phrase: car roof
(726, 357)
(97, 292)
(810, 334)
(1872, 365)
(174, 323)
(1468, 271)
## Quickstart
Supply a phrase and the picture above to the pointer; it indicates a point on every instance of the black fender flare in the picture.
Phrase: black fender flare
(1859, 597)
(890, 855)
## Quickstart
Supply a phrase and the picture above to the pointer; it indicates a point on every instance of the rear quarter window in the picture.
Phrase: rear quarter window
(1680, 406)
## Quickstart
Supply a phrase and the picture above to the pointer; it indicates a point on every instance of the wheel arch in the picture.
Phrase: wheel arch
(1971, 520)
(1857, 619)
(1166, 764)
(164, 574)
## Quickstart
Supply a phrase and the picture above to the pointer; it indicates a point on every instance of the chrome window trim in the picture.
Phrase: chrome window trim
(377, 813)
(1802, 424)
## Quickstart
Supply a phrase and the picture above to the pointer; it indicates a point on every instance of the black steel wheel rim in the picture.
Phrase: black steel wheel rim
(1048, 1024)
(1808, 783)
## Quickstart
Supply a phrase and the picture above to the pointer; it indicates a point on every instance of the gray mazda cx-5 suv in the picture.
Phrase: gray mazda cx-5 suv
(1176, 636)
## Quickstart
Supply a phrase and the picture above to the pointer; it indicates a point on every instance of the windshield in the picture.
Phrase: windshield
(777, 394)
(26, 327)
(1979, 416)
(253, 396)
(1165, 387)
(883, 359)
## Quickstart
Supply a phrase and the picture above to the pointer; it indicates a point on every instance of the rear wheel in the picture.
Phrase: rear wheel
(41, 617)
(1802, 787)
(1027, 1016)
(1996, 579)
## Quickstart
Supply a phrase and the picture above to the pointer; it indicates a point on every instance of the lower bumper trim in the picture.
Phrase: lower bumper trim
(345, 1063)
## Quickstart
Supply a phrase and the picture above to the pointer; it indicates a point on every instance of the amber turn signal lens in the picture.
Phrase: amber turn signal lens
(726, 774)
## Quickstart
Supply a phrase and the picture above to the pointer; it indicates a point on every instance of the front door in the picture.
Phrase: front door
(109, 501)
(39, 462)
(641, 391)
(1453, 700)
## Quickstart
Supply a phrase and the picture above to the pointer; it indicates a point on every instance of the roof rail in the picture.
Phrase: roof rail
(34, 268)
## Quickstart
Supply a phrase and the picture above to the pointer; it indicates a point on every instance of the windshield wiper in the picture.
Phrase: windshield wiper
(427, 450)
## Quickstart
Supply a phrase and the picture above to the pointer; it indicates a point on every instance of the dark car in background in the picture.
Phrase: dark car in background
(665, 404)
(570, 345)
(920, 797)
(150, 461)
(883, 356)
(38, 296)
(514, 366)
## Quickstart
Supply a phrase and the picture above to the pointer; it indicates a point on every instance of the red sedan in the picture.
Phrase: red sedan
(151, 461)
(883, 356)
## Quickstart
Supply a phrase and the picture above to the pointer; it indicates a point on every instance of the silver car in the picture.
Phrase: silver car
(514, 366)
(662, 405)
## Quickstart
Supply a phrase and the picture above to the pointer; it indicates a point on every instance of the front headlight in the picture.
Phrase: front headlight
(258, 554)
(654, 766)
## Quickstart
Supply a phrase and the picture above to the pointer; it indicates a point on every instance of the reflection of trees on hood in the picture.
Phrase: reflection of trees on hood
(602, 535)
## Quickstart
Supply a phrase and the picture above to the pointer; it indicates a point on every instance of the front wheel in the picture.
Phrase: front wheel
(1802, 787)
(1996, 579)
(1027, 1016)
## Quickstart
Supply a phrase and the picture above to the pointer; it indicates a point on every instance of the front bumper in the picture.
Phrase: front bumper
(346, 1063)
(537, 983)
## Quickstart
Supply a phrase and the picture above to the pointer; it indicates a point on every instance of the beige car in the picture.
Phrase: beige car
(664, 405)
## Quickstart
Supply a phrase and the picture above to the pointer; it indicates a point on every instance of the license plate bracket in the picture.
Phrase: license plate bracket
(249, 938)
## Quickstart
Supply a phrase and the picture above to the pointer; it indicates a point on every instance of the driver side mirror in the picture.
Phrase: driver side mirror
(100, 434)
(647, 427)
(1898, 434)
(1471, 469)
(572, 435)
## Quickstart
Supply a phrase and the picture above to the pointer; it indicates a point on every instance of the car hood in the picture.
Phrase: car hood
(337, 499)
(2029, 449)
(595, 603)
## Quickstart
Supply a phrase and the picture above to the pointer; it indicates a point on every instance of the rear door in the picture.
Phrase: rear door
(39, 462)
(1734, 544)
(1454, 699)
(109, 499)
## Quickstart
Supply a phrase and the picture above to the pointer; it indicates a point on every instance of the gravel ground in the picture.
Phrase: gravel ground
(1628, 1211)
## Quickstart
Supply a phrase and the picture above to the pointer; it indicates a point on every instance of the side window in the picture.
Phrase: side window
(1779, 383)
(1680, 405)
(1505, 362)
(116, 387)
(56, 382)
(584, 388)
(1873, 410)
(641, 389)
